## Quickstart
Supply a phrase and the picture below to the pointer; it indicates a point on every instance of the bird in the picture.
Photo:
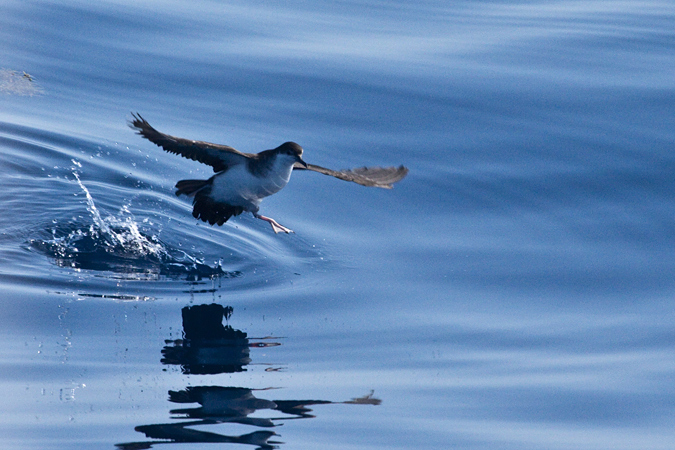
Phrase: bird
(242, 180)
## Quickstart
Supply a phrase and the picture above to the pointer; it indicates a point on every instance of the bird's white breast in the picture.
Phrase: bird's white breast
(239, 187)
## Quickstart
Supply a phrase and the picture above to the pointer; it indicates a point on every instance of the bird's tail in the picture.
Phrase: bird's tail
(208, 210)
(191, 187)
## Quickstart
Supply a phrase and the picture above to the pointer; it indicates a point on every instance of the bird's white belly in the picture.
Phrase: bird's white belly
(238, 187)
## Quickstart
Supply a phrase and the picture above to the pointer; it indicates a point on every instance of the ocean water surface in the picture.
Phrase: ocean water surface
(515, 291)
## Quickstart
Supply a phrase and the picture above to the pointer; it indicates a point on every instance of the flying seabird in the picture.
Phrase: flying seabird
(242, 180)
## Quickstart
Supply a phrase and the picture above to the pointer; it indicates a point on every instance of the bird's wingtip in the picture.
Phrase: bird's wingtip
(137, 122)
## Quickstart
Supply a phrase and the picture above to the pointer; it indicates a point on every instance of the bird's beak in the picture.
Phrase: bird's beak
(300, 160)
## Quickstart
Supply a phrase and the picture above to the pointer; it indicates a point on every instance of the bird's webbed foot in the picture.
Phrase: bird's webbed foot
(276, 227)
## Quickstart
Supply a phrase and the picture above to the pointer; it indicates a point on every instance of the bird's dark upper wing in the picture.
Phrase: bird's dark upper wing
(220, 157)
(383, 177)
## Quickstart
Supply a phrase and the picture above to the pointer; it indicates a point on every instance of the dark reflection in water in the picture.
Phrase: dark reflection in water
(179, 433)
(222, 404)
(209, 347)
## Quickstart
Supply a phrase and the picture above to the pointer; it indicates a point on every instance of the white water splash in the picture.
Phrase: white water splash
(120, 234)
(118, 244)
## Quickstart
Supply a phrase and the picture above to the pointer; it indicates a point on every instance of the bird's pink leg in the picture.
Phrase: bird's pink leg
(275, 225)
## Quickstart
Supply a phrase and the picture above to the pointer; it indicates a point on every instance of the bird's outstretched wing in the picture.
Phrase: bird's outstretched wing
(220, 157)
(382, 177)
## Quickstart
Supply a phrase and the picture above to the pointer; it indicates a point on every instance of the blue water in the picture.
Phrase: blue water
(515, 291)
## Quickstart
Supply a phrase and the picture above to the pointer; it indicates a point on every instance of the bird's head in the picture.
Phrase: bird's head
(293, 151)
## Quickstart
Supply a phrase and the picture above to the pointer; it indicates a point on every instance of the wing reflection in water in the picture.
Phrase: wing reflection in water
(209, 347)
(179, 433)
(222, 404)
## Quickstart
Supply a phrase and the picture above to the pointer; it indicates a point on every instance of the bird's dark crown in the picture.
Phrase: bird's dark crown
(290, 148)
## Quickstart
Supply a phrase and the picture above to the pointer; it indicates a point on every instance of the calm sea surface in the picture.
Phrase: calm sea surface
(515, 291)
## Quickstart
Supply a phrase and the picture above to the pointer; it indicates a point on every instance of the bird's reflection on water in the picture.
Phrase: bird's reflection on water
(209, 347)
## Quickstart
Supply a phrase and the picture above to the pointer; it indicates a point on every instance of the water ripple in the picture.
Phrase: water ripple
(63, 190)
